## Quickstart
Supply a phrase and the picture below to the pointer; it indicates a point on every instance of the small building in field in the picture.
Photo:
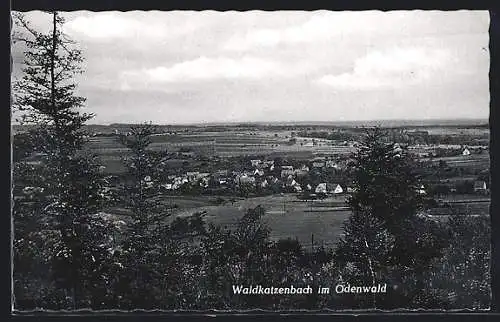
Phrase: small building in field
(480, 186)
(466, 152)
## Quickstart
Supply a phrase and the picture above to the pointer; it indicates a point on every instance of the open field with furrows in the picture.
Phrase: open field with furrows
(289, 217)
(224, 144)
(456, 131)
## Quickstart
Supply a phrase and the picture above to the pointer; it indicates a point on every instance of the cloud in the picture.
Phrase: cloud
(391, 69)
(110, 25)
(204, 68)
(344, 26)
(316, 28)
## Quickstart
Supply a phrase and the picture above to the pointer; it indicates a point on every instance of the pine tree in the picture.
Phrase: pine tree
(385, 238)
(152, 277)
(74, 237)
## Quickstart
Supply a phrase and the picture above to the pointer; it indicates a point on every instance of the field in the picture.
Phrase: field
(287, 216)
(318, 222)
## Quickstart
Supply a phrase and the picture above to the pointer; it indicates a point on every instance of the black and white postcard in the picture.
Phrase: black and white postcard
(284, 161)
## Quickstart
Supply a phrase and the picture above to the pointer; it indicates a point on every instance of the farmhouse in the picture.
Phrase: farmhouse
(268, 163)
(255, 162)
(204, 182)
(258, 172)
(192, 175)
(479, 186)
(421, 190)
(337, 189)
(321, 188)
(290, 181)
(465, 152)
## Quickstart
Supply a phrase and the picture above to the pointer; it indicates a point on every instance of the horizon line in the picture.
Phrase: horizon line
(482, 119)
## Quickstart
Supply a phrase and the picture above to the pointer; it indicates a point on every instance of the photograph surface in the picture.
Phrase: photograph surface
(233, 161)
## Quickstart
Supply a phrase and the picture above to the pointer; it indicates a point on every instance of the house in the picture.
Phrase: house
(308, 187)
(287, 167)
(479, 186)
(290, 181)
(258, 172)
(193, 175)
(255, 162)
(168, 186)
(337, 189)
(465, 152)
(223, 172)
(286, 173)
(204, 182)
(351, 189)
(263, 184)
(421, 190)
(203, 175)
(268, 163)
(309, 144)
(297, 188)
(330, 164)
(321, 188)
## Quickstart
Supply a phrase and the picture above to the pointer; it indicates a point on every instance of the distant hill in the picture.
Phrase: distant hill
(461, 123)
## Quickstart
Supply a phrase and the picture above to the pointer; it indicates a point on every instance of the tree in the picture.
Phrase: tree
(385, 230)
(463, 273)
(72, 238)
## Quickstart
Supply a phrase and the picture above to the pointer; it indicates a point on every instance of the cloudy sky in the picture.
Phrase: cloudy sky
(191, 67)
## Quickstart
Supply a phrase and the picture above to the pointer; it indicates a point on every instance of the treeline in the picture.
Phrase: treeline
(401, 136)
(70, 254)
